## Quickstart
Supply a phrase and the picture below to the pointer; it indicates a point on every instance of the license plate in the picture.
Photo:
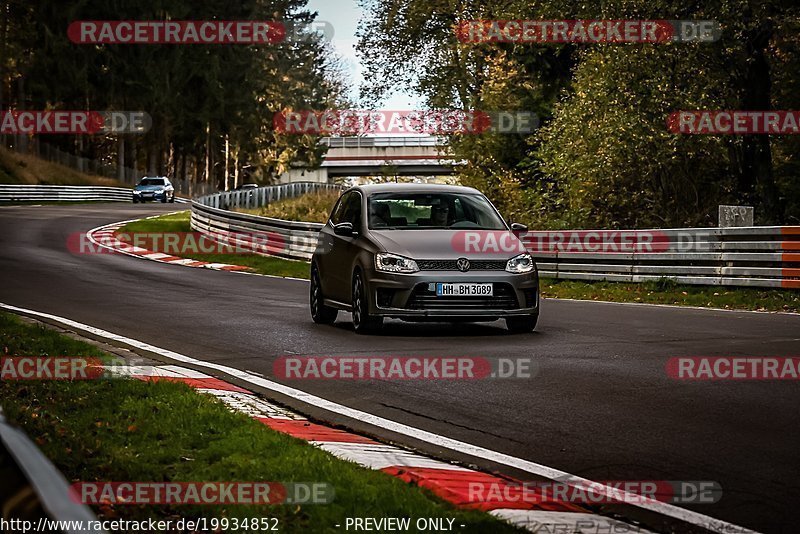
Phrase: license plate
(464, 290)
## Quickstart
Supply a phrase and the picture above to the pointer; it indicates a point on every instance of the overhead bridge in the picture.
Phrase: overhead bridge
(377, 156)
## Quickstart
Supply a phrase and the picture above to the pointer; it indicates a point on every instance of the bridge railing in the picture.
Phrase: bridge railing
(383, 141)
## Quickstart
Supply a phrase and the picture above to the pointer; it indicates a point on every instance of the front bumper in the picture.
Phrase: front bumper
(144, 197)
(412, 296)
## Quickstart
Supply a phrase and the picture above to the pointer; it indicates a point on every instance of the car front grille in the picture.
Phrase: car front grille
(423, 298)
(450, 265)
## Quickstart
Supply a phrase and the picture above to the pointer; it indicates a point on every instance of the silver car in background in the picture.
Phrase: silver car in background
(154, 188)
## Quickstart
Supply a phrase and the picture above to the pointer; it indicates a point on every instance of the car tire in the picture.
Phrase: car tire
(164, 200)
(522, 324)
(134, 201)
(172, 199)
(320, 313)
(363, 322)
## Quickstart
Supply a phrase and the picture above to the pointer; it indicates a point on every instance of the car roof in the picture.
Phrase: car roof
(369, 189)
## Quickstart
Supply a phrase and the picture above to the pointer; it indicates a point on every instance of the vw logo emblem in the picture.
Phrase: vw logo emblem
(462, 264)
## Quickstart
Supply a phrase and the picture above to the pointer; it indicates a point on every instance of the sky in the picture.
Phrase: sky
(344, 16)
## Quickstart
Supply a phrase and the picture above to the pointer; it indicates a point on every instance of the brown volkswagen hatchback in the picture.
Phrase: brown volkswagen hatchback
(421, 252)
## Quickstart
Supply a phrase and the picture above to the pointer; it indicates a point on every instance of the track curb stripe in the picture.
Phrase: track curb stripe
(449, 482)
(106, 237)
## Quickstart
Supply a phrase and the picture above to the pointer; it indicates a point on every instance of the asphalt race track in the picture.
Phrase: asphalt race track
(600, 405)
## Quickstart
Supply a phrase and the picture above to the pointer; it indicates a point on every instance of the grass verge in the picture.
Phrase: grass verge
(656, 292)
(18, 168)
(129, 430)
(179, 222)
(668, 292)
(311, 207)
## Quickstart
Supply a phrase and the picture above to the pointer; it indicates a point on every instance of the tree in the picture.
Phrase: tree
(604, 156)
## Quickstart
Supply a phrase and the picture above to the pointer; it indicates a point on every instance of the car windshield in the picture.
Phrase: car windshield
(417, 211)
(152, 181)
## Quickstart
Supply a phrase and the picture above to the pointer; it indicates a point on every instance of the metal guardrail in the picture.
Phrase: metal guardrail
(286, 239)
(49, 193)
(758, 256)
(33, 489)
(66, 193)
(257, 197)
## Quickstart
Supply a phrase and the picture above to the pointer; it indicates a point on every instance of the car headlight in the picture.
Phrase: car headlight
(520, 264)
(392, 263)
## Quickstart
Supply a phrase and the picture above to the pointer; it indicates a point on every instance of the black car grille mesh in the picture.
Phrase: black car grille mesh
(450, 265)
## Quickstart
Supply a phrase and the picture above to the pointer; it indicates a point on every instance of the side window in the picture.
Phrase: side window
(338, 209)
(352, 210)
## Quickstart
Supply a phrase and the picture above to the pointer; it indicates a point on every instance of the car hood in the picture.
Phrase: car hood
(148, 187)
(449, 244)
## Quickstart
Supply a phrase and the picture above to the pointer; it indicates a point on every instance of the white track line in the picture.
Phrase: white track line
(675, 512)
(380, 456)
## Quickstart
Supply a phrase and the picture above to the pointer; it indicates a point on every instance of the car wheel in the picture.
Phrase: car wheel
(164, 200)
(363, 322)
(320, 313)
(172, 199)
(135, 201)
(524, 323)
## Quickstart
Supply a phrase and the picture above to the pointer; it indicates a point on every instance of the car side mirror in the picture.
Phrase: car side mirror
(344, 229)
(518, 228)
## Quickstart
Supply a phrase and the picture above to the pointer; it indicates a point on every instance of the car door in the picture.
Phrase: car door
(345, 248)
(327, 251)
